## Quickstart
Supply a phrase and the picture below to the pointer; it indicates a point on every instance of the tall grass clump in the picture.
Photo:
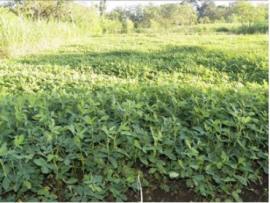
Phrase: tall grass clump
(261, 27)
(3, 33)
(20, 35)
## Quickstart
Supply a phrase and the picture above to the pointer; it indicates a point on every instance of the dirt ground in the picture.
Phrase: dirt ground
(257, 193)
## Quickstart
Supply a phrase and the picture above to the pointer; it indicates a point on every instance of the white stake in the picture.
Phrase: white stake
(140, 188)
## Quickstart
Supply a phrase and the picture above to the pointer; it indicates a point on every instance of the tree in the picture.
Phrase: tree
(36, 9)
(136, 14)
(195, 3)
(186, 15)
(208, 9)
(151, 15)
(249, 14)
(120, 14)
(178, 14)
(102, 7)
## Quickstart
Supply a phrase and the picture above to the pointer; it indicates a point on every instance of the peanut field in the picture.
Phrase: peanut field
(181, 114)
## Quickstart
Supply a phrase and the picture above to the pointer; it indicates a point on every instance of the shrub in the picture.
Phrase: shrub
(110, 26)
(252, 29)
(127, 26)
(204, 20)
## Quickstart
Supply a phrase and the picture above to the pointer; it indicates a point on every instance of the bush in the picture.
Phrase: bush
(127, 26)
(204, 20)
(110, 26)
(87, 18)
(223, 29)
(252, 29)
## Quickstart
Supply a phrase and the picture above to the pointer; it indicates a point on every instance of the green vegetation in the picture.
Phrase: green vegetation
(86, 115)
(28, 26)
(21, 35)
(72, 118)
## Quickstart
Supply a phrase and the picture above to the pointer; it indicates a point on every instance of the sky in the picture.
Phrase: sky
(111, 4)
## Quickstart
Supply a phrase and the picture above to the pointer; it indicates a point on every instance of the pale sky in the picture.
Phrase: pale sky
(111, 4)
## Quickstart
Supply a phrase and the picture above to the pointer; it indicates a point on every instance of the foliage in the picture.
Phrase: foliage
(21, 35)
(248, 14)
(110, 26)
(87, 18)
(140, 18)
(182, 14)
(208, 10)
(171, 15)
(37, 10)
(188, 15)
(252, 29)
(120, 15)
(80, 123)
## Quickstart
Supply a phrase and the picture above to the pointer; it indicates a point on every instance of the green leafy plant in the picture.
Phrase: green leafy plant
(82, 122)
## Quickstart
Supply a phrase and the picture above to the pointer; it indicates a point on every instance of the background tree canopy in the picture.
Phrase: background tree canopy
(187, 12)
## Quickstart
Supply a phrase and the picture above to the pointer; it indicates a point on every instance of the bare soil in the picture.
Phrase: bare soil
(256, 193)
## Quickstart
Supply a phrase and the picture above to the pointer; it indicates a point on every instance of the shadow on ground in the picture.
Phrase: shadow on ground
(185, 59)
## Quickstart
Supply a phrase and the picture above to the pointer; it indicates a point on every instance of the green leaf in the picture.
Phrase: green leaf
(229, 179)
(40, 162)
(113, 161)
(6, 184)
(71, 181)
(27, 184)
(235, 195)
(198, 179)
(43, 164)
(173, 174)
(18, 140)
(3, 149)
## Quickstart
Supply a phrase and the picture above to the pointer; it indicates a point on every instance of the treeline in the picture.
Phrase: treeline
(190, 12)
(123, 20)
